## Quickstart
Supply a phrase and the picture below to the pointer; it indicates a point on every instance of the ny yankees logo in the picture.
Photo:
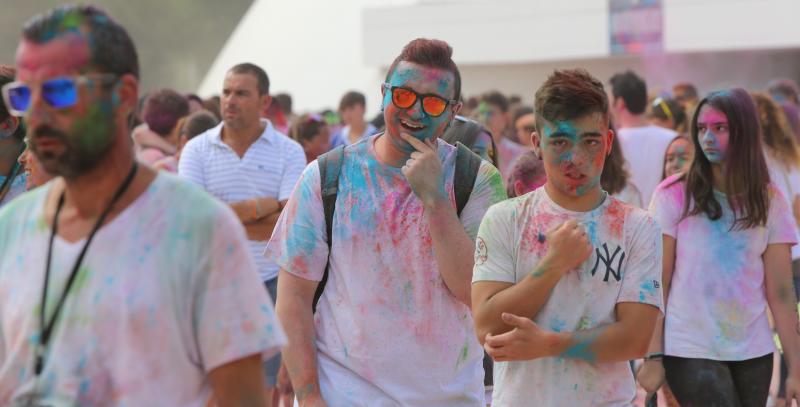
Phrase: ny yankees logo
(608, 262)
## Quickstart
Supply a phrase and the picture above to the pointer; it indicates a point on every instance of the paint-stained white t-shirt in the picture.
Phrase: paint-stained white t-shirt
(388, 330)
(625, 267)
(717, 299)
(166, 293)
(644, 149)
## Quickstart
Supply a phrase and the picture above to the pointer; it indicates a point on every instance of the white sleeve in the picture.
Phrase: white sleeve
(232, 313)
(494, 246)
(190, 166)
(642, 275)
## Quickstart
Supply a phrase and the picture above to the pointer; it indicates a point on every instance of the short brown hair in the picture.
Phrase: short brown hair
(568, 94)
(306, 127)
(351, 99)
(432, 54)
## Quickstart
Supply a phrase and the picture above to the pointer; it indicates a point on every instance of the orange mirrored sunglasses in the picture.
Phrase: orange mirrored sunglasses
(404, 98)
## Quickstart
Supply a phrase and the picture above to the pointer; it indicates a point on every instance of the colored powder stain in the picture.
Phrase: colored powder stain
(648, 288)
(581, 349)
(408, 296)
(463, 354)
(615, 218)
(584, 323)
(591, 231)
(248, 327)
(81, 278)
(84, 387)
(70, 21)
(557, 325)
(94, 131)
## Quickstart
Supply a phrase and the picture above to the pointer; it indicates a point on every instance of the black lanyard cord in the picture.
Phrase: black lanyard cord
(47, 327)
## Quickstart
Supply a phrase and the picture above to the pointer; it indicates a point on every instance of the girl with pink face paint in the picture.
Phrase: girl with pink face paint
(727, 234)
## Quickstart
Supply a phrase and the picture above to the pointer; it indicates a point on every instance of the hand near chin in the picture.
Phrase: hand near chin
(423, 170)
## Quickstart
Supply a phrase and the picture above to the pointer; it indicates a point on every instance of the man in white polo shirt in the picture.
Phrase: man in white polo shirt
(247, 164)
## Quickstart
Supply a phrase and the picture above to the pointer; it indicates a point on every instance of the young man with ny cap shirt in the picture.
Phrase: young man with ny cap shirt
(566, 286)
(393, 325)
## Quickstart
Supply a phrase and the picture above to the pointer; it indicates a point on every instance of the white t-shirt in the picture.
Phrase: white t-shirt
(626, 267)
(787, 180)
(717, 302)
(166, 293)
(644, 149)
(269, 168)
(388, 330)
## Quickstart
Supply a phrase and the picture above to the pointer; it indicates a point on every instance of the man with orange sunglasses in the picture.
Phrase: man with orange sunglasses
(393, 324)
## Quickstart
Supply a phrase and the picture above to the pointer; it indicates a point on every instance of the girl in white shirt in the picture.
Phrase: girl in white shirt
(727, 234)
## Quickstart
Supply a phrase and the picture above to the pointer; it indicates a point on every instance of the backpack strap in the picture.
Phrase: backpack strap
(330, 166)
(467, 165)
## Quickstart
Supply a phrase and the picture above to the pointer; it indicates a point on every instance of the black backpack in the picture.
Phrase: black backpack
(330, 166)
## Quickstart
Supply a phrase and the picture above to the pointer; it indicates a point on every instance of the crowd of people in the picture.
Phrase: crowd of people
(603, 245)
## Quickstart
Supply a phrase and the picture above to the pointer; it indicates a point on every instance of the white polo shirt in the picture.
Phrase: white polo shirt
(270, 168)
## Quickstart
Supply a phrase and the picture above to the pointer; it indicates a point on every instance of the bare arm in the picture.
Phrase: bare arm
(453, 248)
(491, 299)
(239, 383)
(256, 209)
(261, 230)
(651, 376)
(568, 247)
(300, 355)
(783, 302)
(623, 340)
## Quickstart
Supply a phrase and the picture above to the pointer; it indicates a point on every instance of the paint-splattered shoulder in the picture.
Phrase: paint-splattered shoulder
(673, 184)
(774, 191)
(620, 216)
(20, 207)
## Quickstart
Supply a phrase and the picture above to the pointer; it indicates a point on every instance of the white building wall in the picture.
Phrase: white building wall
(319, 49)
(312, 49)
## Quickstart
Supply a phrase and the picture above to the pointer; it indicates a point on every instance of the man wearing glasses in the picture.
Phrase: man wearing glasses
(110, 293)
(393, 325)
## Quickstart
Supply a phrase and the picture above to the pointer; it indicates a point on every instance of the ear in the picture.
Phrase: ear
(519, 188)
(266, 101)
(535, 140)
(456, 109)
(609, 141)
(125, 95)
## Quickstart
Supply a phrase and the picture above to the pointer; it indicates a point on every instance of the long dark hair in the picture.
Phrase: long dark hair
(746, 174)
(614, 177)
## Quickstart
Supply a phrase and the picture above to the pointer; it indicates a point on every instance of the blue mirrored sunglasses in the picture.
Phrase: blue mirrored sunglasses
(59, 93)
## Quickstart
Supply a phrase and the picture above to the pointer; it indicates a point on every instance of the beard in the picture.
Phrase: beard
(76, 157)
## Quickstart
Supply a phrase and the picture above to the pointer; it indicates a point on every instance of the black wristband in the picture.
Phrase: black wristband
(654, 356)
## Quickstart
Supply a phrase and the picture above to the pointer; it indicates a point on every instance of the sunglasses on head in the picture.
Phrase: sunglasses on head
(59, 93)
(404, 98)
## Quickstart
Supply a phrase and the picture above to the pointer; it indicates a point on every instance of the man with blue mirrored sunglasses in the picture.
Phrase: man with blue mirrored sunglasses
(110, 293)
